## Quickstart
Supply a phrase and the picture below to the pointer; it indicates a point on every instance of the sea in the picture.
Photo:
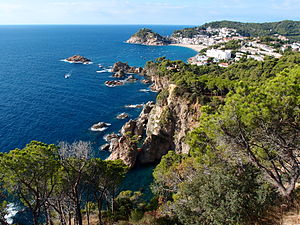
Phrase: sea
(38, 103)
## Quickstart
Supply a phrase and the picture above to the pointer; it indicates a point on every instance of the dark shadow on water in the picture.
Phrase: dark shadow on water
(139, 179)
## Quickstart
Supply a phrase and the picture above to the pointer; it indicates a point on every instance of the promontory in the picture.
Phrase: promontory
(148, 37)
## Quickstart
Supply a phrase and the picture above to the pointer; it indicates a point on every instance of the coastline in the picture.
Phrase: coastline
(196, 48)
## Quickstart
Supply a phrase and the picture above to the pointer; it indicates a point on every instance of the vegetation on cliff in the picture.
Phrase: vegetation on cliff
(211, 80)
(243, 161)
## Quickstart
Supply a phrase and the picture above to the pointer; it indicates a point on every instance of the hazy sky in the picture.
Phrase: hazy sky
(187, 12)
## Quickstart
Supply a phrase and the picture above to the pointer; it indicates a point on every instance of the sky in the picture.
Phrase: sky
(177, 12)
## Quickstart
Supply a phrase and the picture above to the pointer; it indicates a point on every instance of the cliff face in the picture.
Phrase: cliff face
(160, 127)
(148, 37)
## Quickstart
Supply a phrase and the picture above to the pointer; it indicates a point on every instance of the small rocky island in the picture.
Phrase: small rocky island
(148, 37)
(123, 68)
(78, 59)
(101, 126)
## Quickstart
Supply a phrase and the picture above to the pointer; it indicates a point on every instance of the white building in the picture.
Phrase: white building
(219, 54)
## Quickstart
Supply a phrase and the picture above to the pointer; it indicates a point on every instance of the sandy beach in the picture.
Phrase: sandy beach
(196, 48)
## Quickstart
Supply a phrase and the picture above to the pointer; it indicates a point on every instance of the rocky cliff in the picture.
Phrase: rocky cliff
(148, 37)
(159, 128)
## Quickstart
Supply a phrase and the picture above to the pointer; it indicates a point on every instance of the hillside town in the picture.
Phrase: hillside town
(226, 46)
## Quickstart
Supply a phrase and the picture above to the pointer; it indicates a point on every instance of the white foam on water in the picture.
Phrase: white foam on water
(99, 129)
(144, 90)
(12, 211)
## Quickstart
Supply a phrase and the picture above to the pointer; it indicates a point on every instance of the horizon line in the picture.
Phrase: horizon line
(134, 24)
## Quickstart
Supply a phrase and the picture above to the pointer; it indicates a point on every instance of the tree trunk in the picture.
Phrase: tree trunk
(78, 212)
(99, 210)
(62, 216)
(88, 213)
(48, 215)
(70, 218)
(35, 218)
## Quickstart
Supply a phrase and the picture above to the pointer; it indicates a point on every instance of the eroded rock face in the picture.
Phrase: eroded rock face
(148, 37)
(161, 127)
(132, 134)
(124, 149)
(168, 124)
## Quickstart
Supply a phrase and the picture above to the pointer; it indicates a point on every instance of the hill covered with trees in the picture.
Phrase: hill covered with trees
(288, 28)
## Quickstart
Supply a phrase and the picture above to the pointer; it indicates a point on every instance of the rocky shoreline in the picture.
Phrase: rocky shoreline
(123, 71)
(160, 127)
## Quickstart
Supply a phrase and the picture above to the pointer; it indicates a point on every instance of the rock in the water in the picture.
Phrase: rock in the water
(78, 59)
(145, 81)
(138, 70)
(113, 83)
(122, 116)
(131, 79)
(134, 106)
(105, 147)
(101, 126)
(148, 37)
(119, 74)
(120, 66)
(125, 68)
(110, 137)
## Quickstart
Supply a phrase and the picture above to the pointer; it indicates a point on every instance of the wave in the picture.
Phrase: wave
(104, 71)
(101, 126)
(99, 129)
(73, 62)
(144, 90)
(134, 106)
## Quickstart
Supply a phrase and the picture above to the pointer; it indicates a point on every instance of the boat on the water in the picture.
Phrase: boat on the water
(68, 75)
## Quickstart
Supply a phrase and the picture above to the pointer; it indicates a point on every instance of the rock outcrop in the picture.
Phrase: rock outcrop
(120, 67)
(148, 37)
(78, 59)
(159, 128)
(126, 147)
(101, 126)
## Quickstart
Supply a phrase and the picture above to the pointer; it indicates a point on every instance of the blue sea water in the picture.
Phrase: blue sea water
(38, 103)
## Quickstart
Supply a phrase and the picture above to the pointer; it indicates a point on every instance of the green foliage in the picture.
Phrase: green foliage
(146, 34)
(262, 121)
(170, 172)
(136, 215)
(166, 117)
(201, 82)
(130, 206)
(222, 195)
(31, 174)
(198, 191)
(52, 181)
(288, 28)
(162, 97)
(188, 32)
(232, 45)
